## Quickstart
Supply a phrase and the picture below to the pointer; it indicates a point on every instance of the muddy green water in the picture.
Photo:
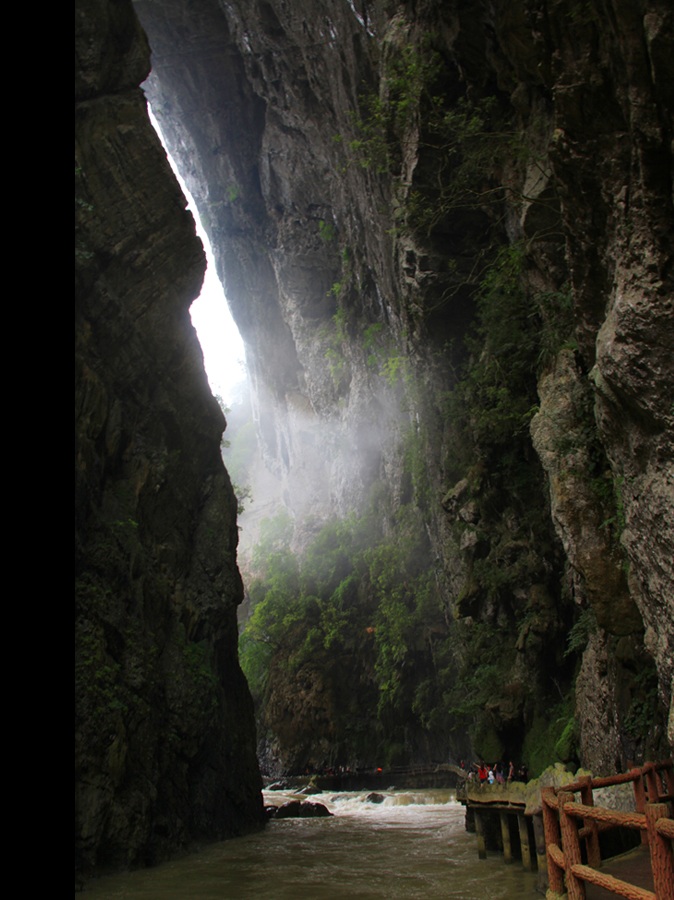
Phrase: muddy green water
(413, 845)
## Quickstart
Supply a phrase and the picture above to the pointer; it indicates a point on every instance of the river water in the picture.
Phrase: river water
(413, 845)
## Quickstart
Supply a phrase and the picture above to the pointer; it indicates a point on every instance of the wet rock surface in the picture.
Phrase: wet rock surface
(302, 809)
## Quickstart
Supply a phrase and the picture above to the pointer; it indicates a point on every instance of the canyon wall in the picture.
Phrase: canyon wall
(164, 738)
(445, 232)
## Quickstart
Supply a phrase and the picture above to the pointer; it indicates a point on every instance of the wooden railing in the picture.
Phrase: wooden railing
(568, 821)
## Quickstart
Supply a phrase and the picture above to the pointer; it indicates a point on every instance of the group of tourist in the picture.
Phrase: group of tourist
(499, 773)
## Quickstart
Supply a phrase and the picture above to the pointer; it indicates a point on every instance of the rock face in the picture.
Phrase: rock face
(302, 809)
(376, 179)
(613, 159)
(165, 743)
(358, 166)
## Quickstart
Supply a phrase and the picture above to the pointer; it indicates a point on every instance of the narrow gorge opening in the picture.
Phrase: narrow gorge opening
(219, 337)
(225, 364)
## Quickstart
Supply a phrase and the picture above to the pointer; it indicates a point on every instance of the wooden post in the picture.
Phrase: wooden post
(661, 852)
(592, 831)
(505, 837)
(571, 845)
(524, 842)
(552, 838)
(539, 841)
(640, 798)
(652, 783)
(479, 832)
(639, 793)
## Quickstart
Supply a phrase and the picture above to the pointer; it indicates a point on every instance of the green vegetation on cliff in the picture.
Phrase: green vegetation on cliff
(360, 611)
(360, 641)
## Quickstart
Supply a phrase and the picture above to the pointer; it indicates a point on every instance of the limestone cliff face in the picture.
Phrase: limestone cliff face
(165, 744)
(612, 156)
(358, 167)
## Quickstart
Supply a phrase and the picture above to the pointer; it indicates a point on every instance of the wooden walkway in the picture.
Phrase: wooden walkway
(633, 867)
(556, 830)
(572, 827)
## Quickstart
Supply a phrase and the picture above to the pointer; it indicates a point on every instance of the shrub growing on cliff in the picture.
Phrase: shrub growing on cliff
(496, 396)
(460, 144)
(469, 143)
(551, 737)
(407, 76)
(326, 231)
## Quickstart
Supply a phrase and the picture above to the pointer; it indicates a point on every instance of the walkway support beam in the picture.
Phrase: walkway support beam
(479, 833)
(505, 837)
(525, 845)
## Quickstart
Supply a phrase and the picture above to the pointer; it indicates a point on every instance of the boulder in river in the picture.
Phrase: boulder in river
(302, 809)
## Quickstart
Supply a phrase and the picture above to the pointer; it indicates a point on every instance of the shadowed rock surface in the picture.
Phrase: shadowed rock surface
(164, 741)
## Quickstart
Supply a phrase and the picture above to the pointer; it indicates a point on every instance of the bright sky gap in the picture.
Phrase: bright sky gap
(221, 344)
